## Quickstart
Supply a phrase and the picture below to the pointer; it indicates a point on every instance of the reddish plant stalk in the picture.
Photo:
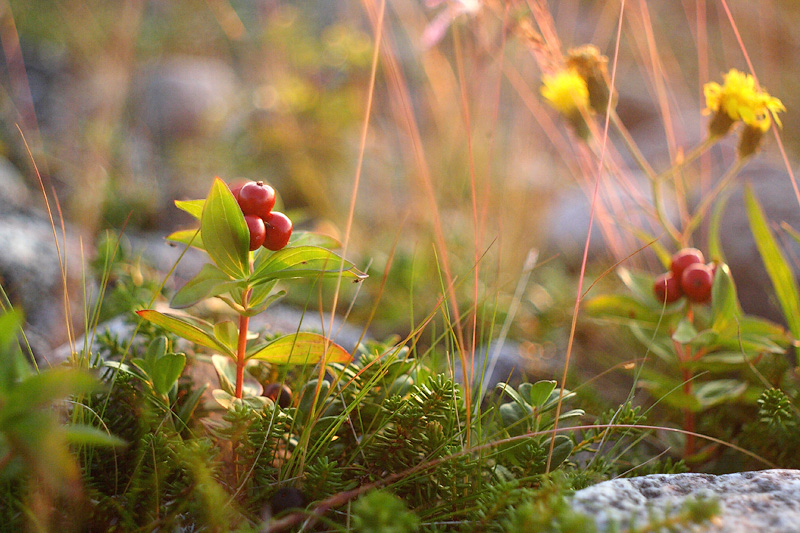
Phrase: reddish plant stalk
(244, 322)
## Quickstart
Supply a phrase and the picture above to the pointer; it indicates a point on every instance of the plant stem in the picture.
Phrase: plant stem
(709, 197)
(655, 181)
(244, 322)
(688, 415)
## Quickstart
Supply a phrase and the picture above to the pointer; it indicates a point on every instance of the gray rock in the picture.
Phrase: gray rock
(14, 194)
(186, 96)
(768, 500)
(31, 275)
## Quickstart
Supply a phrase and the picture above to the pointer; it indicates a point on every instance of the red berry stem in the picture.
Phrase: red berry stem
(685, 356)
(244, 322)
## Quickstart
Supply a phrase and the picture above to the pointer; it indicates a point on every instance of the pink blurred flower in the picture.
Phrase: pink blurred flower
(436, 29)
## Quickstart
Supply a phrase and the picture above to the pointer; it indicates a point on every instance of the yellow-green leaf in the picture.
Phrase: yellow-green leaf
(302, 349)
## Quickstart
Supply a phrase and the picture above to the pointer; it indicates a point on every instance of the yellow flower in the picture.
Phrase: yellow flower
(566, 92)
(739, 99)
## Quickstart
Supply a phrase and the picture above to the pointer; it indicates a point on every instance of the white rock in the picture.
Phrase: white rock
(766, 501)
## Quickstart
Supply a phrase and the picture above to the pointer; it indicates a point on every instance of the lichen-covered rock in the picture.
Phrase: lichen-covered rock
(768, 500)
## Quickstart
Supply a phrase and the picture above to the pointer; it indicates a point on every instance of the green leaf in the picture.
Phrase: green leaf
(302, 349)
(724, 304)
(226, 372)
(226, 399)
(308, 238)
(540, 392)
(40, 390)
(210, 281)
(155, 350)
(227, 333)
(92, 436)
(303, 262)
(189, 237)
(224, 231)
(718, 391)
(183, 328)
(193, 207)
(641, 285)
(166, 372)
(511, 413)
(778, 269)
(685, 332)
(624, 308)
(562, 449)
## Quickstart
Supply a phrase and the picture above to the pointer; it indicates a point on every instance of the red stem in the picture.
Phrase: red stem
(688, 415)
(244, 322)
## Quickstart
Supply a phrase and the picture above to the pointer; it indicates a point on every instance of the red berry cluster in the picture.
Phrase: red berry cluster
(688, 275)
(268, 228)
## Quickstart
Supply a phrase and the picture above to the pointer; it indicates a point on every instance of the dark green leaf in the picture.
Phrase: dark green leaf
(562, 449)
(224, 231)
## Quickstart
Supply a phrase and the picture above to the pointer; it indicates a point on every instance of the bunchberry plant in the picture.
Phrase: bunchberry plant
(251, 248)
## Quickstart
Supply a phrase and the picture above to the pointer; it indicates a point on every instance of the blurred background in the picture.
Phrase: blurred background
(129, 105)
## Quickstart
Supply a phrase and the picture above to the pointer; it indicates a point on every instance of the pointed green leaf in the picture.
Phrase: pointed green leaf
(780, 273)
(183, 328)
(166, 372)
(193, 207)
(623, 308)
(226, 372)
(641, 285)
(39, 390)
(308, 238)
(92, 436)
(224, 231)
(724, 303)
(227, 333)
(302, 349)
(189, 237)
(303, 262)
(210, 281)
(715, 392)
(155, 350)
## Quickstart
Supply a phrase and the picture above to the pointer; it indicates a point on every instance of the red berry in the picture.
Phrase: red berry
(667, 287)
(235, 187)
(258, 231)
(684, 258)
(256, 198)
(279, 229)
(696, 282)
